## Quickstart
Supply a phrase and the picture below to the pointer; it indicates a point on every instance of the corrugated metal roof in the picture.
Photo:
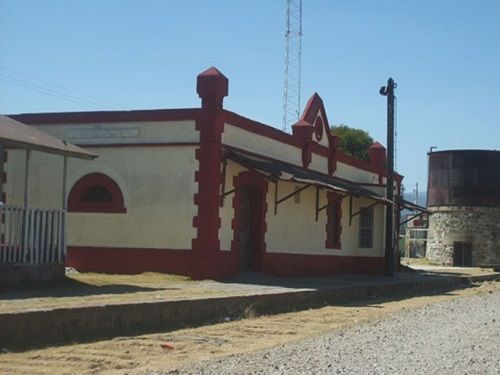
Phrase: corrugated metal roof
(14, 134)
(289, 172)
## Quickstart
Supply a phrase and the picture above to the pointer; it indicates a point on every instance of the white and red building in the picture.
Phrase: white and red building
(208, 193)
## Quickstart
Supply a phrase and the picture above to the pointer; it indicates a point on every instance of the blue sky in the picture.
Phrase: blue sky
(444, 55)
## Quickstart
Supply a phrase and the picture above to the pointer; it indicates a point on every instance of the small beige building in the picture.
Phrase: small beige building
(208, 193)
(32, 238)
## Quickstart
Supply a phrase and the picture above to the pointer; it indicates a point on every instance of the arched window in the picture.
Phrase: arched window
(96, 192)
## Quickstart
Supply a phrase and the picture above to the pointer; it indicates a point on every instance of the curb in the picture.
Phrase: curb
(20, 331)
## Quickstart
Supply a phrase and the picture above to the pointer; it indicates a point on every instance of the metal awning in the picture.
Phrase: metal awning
(278, 170)
(404, 204)
(14, 134)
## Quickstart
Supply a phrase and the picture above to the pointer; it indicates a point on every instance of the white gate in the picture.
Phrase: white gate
(32, 235)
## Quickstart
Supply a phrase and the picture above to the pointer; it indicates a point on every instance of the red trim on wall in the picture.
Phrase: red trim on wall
(273, 133)
(206, 245)
(67, 118)
(138, 260)
(184, 262)
(306, 154)
(318, 129)
(115, 145)
(335, 209)
(298, 265)
(260, 128)
(76, 204)
(253, 180)
(232, 118)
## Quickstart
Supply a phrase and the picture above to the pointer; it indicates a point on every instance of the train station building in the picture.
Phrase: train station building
(206, 192)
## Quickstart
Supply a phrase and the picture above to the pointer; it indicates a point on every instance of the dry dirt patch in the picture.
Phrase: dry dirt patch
(86, 289)
(144, 354)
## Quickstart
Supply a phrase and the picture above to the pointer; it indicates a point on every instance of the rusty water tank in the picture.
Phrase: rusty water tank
(464, 178)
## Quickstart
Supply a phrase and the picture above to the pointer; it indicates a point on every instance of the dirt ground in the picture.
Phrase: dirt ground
(144, 354)
(85, 289)
(88, 289)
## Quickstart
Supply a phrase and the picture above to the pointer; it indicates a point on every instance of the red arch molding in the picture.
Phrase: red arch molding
(88, 181)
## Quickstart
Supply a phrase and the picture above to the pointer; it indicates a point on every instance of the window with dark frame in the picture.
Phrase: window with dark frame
(366, 228)
(334, 221)
(96, 192)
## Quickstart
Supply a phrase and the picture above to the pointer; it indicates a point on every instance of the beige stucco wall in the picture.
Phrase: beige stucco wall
(123, 133)
(157, 184)
(294, 229)
(319, 163)
(158, 187)
(226, 211)
(355, 174)
(256, 143)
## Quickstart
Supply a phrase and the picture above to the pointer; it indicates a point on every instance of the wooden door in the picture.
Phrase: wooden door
(250, 228)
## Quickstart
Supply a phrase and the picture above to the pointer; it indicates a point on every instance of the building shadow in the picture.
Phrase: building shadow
(69, 287)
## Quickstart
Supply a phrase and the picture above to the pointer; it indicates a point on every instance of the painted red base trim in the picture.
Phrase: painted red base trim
(299, 265)
(134, 261)
(184, 262)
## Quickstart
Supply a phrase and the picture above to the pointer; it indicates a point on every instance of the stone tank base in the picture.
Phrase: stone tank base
(464, 236)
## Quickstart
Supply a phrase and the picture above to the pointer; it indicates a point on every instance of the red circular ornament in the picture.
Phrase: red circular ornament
(318, 128)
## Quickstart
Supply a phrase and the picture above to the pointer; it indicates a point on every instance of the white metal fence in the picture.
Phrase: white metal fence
(32, 235)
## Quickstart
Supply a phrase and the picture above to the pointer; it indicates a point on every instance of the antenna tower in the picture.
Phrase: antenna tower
(293, 52)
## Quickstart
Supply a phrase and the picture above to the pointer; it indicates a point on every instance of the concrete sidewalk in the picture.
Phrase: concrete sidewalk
(33, 319)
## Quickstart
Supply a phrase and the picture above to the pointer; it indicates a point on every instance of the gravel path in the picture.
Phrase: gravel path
(457, 337)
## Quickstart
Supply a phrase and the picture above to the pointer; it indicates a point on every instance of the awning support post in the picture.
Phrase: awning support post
(350, 209)
(276, 197)
(223, 186)
(281, 200)
(26, 201)
(27, 178)
(319, 209)
(288, 196)
(64, 206)
(228, 192)
(411, 218)
(64, 183)
(363, 209)
(317, 203)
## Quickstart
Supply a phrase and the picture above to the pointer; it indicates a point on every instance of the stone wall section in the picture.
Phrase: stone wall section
(478, 225)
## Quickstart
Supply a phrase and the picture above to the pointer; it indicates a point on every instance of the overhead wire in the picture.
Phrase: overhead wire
(61, 92)
(45, 92)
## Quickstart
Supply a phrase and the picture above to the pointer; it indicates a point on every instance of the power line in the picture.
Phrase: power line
(43, 91)
(80, 96)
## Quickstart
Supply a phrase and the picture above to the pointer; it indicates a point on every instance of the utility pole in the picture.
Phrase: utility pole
(389, 224)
